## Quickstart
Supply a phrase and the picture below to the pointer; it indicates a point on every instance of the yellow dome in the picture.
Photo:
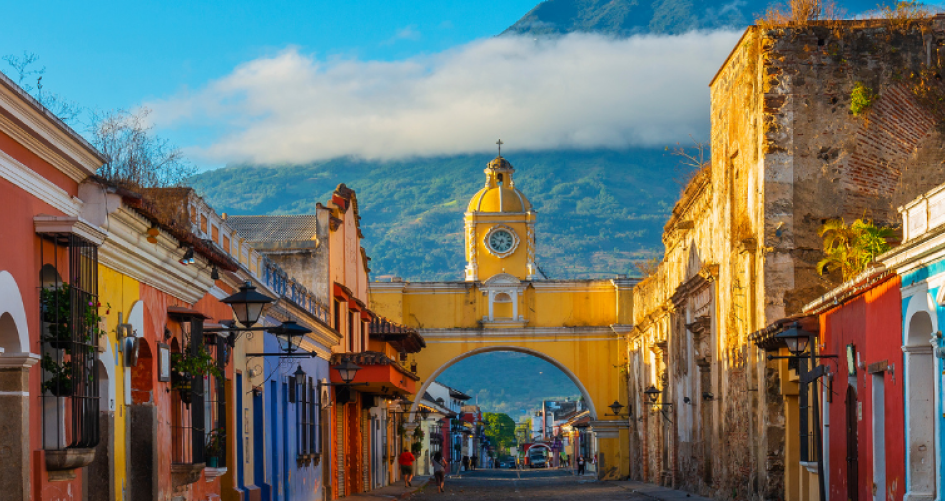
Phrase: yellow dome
(499, 199)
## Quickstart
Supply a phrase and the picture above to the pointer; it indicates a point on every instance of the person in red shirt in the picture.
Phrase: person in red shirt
(406, 460)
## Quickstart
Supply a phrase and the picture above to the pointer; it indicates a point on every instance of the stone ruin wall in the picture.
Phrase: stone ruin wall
(787, 154)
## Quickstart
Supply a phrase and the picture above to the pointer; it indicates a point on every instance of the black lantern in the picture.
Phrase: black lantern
(796, 339)
(616, 407)
(300, 376)
(347, 370)
(424, 413)
(652, 394)
(290, 335)
(248, 304)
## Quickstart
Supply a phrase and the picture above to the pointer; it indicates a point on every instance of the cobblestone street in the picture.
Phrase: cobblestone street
(527, 484)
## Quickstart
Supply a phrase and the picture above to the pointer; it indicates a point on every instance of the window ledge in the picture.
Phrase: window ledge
(212, 473)
(810, 465)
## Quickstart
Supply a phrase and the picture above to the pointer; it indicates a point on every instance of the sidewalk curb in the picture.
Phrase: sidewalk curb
(419, 488)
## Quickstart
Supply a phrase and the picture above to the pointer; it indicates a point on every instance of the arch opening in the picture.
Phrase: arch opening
(589, 402)
(920, 394)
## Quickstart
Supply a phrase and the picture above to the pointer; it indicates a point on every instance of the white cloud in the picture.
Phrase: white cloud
(574, 92)
(406, 33)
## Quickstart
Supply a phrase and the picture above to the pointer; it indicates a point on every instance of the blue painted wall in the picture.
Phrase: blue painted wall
(289, 481)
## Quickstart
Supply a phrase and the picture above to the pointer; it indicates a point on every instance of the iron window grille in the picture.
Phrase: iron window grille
(307, 420)
(198, 402)
(70, 330)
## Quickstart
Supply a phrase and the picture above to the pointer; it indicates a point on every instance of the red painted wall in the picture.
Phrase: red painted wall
(872, 322)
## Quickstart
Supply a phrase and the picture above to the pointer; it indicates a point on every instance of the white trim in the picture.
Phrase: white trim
(38, 186)
(72, 158)
(14, 360)
(12, 302)
(14, 393)
(519, 332)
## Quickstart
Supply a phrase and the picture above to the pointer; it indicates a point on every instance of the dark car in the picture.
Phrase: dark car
(507, 462)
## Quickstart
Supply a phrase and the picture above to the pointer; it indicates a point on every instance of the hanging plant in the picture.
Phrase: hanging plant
(401, 429)
(93, 320)
(416, 447)
(418, 433)
(200, 364)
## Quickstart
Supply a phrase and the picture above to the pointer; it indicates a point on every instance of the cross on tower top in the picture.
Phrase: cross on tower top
(500, 143)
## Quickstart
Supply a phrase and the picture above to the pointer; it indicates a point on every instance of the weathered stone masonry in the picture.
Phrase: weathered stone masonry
(742, 243)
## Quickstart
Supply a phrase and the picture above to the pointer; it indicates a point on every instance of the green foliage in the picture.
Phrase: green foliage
(852, 248)
(59, 381)
(599, 210)
(216, 442)
(416, 448)
(861, 98)
(500, 428)
(56, 305)
(201, 364)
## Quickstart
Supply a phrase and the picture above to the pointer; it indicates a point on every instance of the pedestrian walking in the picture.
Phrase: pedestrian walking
(406, 460)
(465, 463)
(580, 465)
(475, 461)
(495, 463)
(439, 471)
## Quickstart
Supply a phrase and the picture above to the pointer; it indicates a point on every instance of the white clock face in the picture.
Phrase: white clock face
(501, 241)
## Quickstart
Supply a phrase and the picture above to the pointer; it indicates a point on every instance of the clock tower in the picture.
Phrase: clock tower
(500, 228)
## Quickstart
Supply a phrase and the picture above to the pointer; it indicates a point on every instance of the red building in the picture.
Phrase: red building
(861, 323)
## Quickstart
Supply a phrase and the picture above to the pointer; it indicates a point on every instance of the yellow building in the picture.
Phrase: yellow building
(504, 305)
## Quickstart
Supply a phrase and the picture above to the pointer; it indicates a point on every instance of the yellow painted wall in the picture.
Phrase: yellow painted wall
(571, 309)
(514, 264)
(121, 292)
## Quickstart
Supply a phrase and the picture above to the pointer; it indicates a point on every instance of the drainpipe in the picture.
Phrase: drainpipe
(820, 444)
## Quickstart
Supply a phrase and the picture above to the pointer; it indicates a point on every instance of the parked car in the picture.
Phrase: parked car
(507, 462)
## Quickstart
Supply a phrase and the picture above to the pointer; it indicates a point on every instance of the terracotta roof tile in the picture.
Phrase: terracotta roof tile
(275, 228)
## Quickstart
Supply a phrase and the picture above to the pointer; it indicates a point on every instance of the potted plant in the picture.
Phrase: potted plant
(187, 365)
(216, 440)
(416, 448)
(59, 382)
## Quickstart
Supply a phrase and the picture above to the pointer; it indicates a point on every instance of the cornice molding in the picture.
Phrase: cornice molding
(17, 360)
(517, 332)
(73, 157)
(75, 225)
(27, 179)
(127, 251)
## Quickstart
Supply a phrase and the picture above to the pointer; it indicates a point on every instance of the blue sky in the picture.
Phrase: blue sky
(277, 82)
(119, 54)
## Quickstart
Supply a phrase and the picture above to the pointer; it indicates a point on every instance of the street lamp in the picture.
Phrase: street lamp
(615, 408)
(290, 335)
(653, 395)
(247, 304)
(347, 371)
(795, 339)
(299, 376)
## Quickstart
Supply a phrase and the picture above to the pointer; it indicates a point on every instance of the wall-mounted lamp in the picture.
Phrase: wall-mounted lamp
(214, 274)
(653, 395)
(153, 233)
(686, 400)
(707, 396)
(188, 257)
(615, 408)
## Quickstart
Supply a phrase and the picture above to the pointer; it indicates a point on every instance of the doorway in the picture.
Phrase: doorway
(920, 410)
(879, 436)
(852, 450)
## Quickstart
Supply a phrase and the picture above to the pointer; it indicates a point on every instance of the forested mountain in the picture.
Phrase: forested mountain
(632, 17)
(597, 210)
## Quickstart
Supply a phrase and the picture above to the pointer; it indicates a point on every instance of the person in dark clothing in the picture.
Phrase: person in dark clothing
(474, 461)
(439, 470)
(580, 465)
(465, 463)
